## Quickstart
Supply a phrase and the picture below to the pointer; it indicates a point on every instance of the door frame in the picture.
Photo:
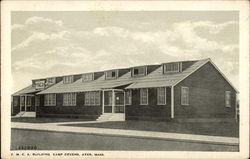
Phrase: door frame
(113, 99)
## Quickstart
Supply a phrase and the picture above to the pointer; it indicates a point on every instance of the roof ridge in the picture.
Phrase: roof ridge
(121, 68)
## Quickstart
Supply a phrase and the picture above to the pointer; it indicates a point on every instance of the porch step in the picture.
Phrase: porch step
(112, 117)
(26, 114)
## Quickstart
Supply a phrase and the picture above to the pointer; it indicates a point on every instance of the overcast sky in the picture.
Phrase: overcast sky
(58, 43)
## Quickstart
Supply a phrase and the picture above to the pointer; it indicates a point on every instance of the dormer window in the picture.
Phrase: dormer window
(40, 85)
(111, 74)
(51, 81)
(139, 71)
(172, 67)
(68, 79)
(87, 77)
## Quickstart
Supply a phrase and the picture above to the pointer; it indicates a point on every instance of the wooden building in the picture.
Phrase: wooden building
(176, 90)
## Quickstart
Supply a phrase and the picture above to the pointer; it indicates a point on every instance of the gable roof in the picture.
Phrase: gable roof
(26, 90)
(154, 79)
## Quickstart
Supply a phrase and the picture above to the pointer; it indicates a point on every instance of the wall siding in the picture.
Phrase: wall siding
(152, 111)
(78, 111)
(16, 109)
(206, 95)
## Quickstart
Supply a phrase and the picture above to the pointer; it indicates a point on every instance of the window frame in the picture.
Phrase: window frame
(51, 81)
(15, 101)
(129, 101)
(141, 99)
(37, 102)
(94, 98)
(226, 98)
(68, 79)
(87, 79)
(182, 100)
(22, 101)
(136, 75)
(116, 74)
(48, 100)
(29, 101)
(68, 99)
(158, 96)
(171, 64)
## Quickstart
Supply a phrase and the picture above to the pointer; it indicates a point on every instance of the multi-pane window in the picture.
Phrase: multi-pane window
(143, 96)
(50, 100)
(92, 98)
(184, 96)
(37, 100)
(138, 71)
(107, 98)
(69, 99)
(128, 97)
(51, 81)
(87, 77)
(161, 96)
(28, 103)
(171, 67)
(15, 101)
(22, 100)
(68, 79)
(111, 74)
(40, 85)
(228, 98)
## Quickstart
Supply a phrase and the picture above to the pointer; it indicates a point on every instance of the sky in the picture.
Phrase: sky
(45, 44)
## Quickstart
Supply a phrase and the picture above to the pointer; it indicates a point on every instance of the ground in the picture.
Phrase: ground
(228, 129)
(45, 120)
(60, 141)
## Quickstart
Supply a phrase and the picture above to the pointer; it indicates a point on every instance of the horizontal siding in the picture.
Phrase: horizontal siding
(152, 111)
(80, 110)
(206, 95)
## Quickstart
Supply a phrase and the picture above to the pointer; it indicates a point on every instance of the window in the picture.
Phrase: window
(144, 96)
(87, 77)
(228, 98)
(184, 96)
(128, 95)
(171, 67)
(15, 101)
(69, 99)
(68, 79)
(107, 98)
(111, 74)
(138, 71)
(161, 96)
(28, 100)
(51, 81)
(37, 100)
(22, 99)
(92, 98)
(40, 85)
(50, 100)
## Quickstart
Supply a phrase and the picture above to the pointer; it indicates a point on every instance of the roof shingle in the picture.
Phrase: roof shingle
(153, 79)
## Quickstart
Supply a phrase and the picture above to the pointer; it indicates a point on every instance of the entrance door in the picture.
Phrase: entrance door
(108, 98)
(119, 102)
(114, 101)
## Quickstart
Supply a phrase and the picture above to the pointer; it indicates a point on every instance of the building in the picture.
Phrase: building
(177, 90)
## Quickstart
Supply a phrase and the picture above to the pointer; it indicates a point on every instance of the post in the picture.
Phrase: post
(25, 101)
(20, 103)
(172, 102)
(124, 101)
(113, 101)
(103, 102)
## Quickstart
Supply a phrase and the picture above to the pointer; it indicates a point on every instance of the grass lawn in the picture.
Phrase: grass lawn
(45, 120)
(216, 129)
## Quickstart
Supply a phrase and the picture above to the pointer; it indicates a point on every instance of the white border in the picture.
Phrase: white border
(242, 6)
